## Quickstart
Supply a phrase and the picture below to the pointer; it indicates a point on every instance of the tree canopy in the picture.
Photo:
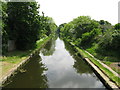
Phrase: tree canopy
(84, 31)
(23, 24)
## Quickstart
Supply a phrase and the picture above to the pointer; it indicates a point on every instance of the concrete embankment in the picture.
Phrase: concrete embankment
(6, 78)
(102, 76)
(106, 81)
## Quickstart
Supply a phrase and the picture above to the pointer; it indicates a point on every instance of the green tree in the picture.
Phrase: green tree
(50, 26)
(106, 40)
(3, 27)
(116, 40)
(105, 25)
(24, 24)
(117, 26)
(81, 30)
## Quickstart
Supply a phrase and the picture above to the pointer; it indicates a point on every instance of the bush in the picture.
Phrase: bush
(115, 40)
(86, 37)
(106, 40)
(117, 26)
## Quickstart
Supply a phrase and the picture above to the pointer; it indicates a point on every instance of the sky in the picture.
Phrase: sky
(64, 11)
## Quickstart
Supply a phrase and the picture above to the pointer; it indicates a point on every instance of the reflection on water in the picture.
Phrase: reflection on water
(56, 66)
(33, 77)
(65, 70)
(49, 48)
(79, 65)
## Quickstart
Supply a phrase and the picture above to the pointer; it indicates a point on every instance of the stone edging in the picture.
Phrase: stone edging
(13, 70)
(104, 65)
(17, 67)
(103, 77)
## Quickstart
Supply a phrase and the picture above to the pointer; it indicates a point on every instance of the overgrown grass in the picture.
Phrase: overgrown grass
(103, 55)
(107, 57)
(15, 57)
(117, 70)
(114, 68)
(107, 62)
(113, 77)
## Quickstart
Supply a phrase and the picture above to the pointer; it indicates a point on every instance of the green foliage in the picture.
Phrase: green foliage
(24, 24)
(102, 22)
(104, 69)
(86, 37)
(116, 40)
(48, 26)
(77, 41)
(3, 33)
(81, 30)
(98, 37)
(111, 40)
(83, 24)
(117, 26)
(105, 25)
(59, 29)
(105, 40)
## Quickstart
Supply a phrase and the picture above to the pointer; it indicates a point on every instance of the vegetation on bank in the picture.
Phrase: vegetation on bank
(80, 51)
(112, 77)
(15, 57)
(100, 38)
(22, 24)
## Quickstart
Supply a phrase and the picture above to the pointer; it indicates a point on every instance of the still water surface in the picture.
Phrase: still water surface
(56, 66)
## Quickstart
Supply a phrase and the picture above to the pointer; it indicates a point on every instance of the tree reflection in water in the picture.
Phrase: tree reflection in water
(34, 76)
(79, 64)
(49, 48)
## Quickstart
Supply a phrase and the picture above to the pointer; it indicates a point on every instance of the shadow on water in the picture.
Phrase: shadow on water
(68, 70)
(34, 73)
(56, 66)
(49, 48)
(79, 64)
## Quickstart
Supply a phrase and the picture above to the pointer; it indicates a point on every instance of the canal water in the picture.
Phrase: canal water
(55, 66)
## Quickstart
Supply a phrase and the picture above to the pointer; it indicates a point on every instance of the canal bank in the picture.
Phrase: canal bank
(23, 60)
(99, 69)
(56, 66)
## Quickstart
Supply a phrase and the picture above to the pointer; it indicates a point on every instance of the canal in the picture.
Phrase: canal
(55, 66)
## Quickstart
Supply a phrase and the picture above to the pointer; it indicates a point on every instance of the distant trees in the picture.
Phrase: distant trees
(83, 31)
(111, 39)
(117, 26)
(50, 26)
(116, 40)
(105, 25)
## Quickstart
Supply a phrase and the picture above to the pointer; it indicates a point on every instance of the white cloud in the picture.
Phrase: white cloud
(65, 10)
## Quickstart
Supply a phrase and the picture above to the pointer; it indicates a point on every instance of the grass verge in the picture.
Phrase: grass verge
(107, 57)
(112, 77)
(15, 57)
